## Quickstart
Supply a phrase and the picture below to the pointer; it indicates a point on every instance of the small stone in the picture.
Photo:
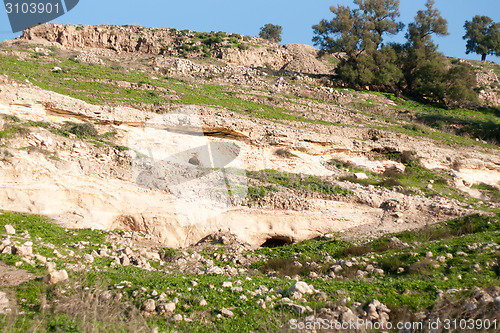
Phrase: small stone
(299, 309)
(400, 270)
(56, 276)
(88, 258)
(194, 283)
(4, 302)
(497, 302)
(50, 266)
(226, 313)
(10, 229)
(178, 317)
(23, 251)
(215, 270)
(125, 261)
(360, 175)
(202, 302)
(149, 305)
(41, 258)
(167, 307)
(227, 284)
(471, 306)
(429, 255)
(441, 258)
(301, 287)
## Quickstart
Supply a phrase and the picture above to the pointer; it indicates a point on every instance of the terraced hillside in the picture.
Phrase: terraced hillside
(221, 169)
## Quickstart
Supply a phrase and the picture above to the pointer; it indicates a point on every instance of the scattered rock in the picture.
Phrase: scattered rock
(226, 313)
(215, 270)
(56, 276)
(360, 175)
(9, 229)
(50, 266)
(166, 308)
(178, 317)
(23, 251)
(88, 258)
(301, 287)
(497, 302)
(149, 305)
(299, 309)
(4, 303)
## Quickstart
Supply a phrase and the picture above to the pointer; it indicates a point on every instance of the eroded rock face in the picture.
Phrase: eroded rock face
(128, 39)
(94, 186)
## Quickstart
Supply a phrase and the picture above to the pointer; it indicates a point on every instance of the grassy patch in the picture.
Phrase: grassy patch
(259, 192)
(299, 182)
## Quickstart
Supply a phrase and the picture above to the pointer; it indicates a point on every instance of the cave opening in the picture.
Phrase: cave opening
(277, 241)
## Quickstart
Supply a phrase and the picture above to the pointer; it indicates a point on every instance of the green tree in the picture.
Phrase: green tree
(359, 33)
(483, 36)
(427, 74)
(271, 32)
(378, 69)
(355, 31)
(423, 66)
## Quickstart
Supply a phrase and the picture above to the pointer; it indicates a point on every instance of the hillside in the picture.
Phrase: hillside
(236, 167)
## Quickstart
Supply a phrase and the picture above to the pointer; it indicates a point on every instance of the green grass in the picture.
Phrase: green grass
(258, 192)
(492, 191)
(39, 226)
(299, 182)
(78, 80)
(454, 126)
(415, 288)
(84, 131)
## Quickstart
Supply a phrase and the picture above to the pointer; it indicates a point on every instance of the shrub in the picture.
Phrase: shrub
(271, 32)
(85, 130)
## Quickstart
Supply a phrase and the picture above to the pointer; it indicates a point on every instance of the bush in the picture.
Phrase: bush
(271, 32)
(85, 130)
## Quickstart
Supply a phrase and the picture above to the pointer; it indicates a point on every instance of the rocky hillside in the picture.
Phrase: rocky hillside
(231, 163)
(229, 47)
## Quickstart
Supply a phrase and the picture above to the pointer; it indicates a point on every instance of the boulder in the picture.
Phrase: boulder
(227, 313)
(301, 287)
(149, 305)
(50, 266)
(56, 276)
(360, 175)
(9, 229)
(88, 258)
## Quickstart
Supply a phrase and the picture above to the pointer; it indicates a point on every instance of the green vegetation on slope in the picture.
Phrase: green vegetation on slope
(468, 245)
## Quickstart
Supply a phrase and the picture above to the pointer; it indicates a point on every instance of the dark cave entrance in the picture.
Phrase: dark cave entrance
(277, 241)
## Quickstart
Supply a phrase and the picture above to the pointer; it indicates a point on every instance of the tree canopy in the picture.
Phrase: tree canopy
(271, 32)
(355, 31)
(483, 36)
(415, 67)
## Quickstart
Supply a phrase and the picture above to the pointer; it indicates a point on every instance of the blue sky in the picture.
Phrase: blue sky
(295, 16)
